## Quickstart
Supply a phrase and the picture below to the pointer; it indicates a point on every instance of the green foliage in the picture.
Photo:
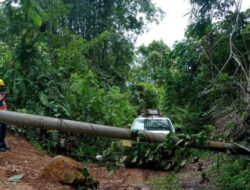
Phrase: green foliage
(145, 95)
(118, 109)
(232, 173)
(110, 55)
(6, 54)
(169, 155)
(85, 97)
(169, 182)
(69, 53)
(85, 151)
(89, 102)
(73, 59)
(202, 77)
(89, 182)
(152, 63)
(51, 70)
(90, 18)
(110, 26)
(114, 155)
(85, 172)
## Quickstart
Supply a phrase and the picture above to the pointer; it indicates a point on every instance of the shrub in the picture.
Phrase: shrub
(234, 174)
(164, 183)
(118, 110)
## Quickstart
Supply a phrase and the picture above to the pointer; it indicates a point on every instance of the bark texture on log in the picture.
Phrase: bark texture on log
(48, 123)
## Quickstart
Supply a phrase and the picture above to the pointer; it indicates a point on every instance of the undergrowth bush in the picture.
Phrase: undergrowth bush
(172, 154)
(234, 174)
(164, 183)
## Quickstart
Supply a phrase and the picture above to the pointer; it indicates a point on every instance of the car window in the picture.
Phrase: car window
(138, 124)
(158, 125)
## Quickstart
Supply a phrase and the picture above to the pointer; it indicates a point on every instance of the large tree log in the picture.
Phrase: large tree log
(49, 123)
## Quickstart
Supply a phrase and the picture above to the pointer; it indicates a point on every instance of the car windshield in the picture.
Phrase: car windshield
(152, 125)
(157, 124)
(138, 125)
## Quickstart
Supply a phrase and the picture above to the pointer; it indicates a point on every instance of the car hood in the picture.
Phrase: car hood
(163, 132)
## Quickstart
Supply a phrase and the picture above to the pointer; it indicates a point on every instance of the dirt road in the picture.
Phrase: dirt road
(25, 159)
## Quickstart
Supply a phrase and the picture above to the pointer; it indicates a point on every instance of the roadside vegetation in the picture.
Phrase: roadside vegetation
(77, 60)
(164, 183)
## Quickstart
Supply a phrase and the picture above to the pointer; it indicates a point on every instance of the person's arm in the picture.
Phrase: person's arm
(3, 96)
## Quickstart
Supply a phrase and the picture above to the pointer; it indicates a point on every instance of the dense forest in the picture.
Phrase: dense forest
(77, 60)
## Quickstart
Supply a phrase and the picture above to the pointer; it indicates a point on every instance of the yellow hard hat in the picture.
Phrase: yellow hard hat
(2, 82)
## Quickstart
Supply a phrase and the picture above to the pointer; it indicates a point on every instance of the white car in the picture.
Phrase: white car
(153, 123)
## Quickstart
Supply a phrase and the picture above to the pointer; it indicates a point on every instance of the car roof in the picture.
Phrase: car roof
(152, 117)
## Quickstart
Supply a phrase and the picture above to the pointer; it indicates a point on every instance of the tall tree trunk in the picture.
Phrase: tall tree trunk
(248, 95)
(248, 86)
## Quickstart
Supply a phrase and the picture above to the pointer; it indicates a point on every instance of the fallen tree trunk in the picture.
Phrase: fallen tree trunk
(90, 129)
(49, 123)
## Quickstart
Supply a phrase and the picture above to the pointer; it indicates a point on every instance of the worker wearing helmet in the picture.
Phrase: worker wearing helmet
(3, 107)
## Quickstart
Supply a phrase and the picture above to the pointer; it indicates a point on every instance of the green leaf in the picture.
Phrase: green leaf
(44, 99)
(37, 20)
(85, 172)
(183, 162)
(151, 158)
(134, 160)
(179, 142)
